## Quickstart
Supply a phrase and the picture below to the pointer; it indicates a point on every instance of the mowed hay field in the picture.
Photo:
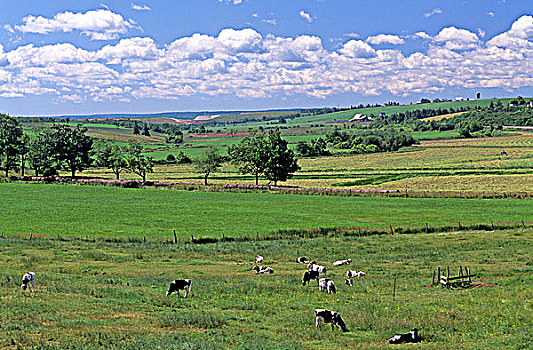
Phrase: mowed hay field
(97, 295)
(93, 211)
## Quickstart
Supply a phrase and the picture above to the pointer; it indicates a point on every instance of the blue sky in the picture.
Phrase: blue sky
(83, 57)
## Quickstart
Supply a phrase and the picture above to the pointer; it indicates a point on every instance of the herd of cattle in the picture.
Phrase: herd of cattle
(313, 272)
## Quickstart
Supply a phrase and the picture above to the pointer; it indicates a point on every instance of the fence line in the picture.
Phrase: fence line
(292, 234)
(245, 188)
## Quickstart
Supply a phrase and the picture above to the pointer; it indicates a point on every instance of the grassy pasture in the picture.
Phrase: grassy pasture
(77, 211)
(94, 295)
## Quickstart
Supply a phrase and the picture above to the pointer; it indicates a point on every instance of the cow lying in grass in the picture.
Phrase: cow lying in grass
(342, 262)
(411, 337)
(308, 276)
(348, 282)
(177, 285)
(302, 260)
(314, 267)
(328, 285)
(352, 273)
(328, 316)
(259, 259)
(262, 269)
(28, 280)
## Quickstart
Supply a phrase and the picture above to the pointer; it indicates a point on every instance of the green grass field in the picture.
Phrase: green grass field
(97, 295)
(77, 211)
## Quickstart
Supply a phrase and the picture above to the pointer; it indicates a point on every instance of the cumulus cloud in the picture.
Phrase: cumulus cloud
(385, 39)
(140, 7)
(357, 49)
(306, 16)
(97, 24)
(457, 39)
(249, 65)
(519, 36)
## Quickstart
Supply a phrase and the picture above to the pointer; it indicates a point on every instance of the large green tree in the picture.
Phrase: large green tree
(137, 162)
(112, 156)
(251, 155)
(72, 147)
(41, 155)
(11, 136)
(210, 161)
(282, 163)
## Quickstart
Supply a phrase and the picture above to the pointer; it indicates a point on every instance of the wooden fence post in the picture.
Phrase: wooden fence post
(427, 227)
(175, 238)
(492, 225)
(459, 225)
(31, 234)
(523, 225)
(192, 239)
(391, 230)
(433, 279)
(359, 231)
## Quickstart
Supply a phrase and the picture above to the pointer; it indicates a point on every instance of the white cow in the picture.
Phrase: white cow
(342, 262)
(327, 285)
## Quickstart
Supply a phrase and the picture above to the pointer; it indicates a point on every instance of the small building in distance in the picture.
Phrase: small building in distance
(360, 118)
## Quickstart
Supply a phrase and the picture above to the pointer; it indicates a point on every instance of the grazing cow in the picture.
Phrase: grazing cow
(352, 273)
(263, 269)
(177, 285)
(314, 267)
(328, 285)
(348, 282)
(328, 316)
(259, 259)
(308, 276)
(28, 280)
(302, 260)
(342, 262)
(411, 337)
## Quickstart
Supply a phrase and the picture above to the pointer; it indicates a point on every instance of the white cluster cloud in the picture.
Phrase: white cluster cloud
(140, 7)
(249, 65)
(306, 16)
(97, 24)
(385, 39)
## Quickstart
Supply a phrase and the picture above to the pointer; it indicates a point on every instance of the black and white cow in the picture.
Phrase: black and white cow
(348, 282)
(411, 337)
(314, 267)
(327, 285)
(177, 285)
(328, 316)
(263, 269)
(342, 262)
(259, 259)
(28, 280)
(308, 276)
(302, 260)
(352, 273)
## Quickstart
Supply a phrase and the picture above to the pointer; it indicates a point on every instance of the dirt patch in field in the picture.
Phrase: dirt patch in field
(219, 134)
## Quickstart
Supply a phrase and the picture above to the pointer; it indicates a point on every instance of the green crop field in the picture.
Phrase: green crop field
(77, 211)
(98, 295)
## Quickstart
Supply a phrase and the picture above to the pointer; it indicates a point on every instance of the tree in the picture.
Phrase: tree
(282, 163)
(112, 156)
(251, 154)
(146, 132)
(72, 148)
(11, 136)
(137, 163)
(136, 130)
(41, 156)
(209, 162)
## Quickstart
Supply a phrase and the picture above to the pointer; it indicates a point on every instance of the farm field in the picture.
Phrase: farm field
(94, 295)
(445, 165)
(79, 211)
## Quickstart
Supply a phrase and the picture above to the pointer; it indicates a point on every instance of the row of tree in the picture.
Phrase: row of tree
(62, 147)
